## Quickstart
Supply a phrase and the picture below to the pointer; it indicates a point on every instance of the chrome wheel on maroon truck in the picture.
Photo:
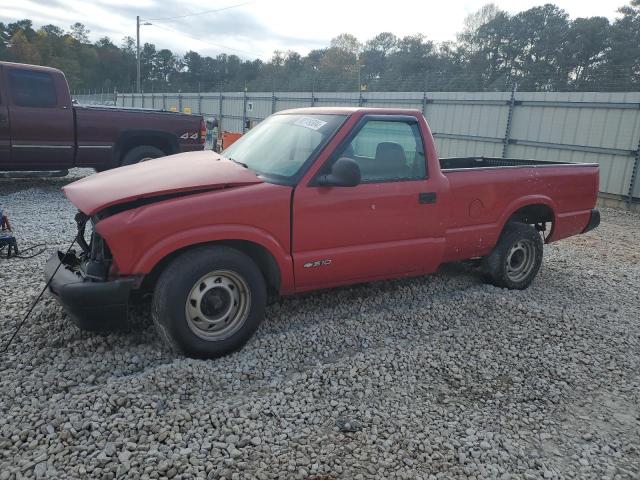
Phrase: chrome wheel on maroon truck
(141, 153)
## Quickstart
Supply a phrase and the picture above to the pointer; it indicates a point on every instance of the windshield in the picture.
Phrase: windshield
(280, 145)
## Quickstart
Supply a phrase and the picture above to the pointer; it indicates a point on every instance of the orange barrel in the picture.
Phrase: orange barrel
(228, 138)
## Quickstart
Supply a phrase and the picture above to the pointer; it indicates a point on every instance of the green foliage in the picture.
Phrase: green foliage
(540, 49)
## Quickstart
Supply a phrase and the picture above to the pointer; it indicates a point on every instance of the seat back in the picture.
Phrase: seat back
(391, 160)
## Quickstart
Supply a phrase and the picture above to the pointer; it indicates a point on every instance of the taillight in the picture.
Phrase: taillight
(203, 131)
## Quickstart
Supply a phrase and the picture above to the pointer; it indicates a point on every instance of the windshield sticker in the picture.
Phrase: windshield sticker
(311, 123)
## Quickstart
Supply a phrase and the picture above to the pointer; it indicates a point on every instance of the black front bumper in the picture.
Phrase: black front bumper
(92, 305)
(594, 221)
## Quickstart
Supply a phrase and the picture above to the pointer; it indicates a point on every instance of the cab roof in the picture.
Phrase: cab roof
(350, 111)
(26, 66)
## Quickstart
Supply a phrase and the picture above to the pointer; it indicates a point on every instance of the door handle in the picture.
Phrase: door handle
(427, 197)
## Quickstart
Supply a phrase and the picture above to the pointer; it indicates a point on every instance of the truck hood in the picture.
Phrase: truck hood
(175, 174)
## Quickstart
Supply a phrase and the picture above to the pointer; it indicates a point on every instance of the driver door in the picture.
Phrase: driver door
(386, 226)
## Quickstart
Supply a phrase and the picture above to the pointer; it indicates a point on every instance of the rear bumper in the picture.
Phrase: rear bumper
(594, 221)
(95, 306)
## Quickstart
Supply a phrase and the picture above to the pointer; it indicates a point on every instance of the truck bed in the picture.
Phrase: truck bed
(464, 163)
(485, 189)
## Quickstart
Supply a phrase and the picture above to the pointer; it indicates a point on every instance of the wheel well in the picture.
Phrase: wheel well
(532, 214)
(263, 258)
(536, 214)
(163, 142)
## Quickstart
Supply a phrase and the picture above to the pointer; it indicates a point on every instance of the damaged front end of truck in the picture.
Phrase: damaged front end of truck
(86, 279)
(84, 282)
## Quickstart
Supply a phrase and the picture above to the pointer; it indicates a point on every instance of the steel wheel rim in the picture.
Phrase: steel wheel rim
(217, 305)
(521, 260)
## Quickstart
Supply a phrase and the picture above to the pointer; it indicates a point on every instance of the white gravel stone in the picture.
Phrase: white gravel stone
(432, 377)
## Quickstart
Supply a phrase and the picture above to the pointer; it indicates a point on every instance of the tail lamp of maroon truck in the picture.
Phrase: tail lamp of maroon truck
(309, 199)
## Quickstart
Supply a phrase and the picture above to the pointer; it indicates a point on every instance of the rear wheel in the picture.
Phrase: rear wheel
(141, 154)
(516, 259)
(209, 301)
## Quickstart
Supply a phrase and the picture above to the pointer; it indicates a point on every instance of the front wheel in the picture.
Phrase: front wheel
(516, 259)
(209, 301)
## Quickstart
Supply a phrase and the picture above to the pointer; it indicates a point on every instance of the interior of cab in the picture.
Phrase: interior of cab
(387, 151)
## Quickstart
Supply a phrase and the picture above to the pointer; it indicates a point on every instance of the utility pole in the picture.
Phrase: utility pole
(360, 67)
(138, 53)
(313, 87)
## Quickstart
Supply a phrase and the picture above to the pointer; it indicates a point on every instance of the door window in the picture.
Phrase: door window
(32, 89)
(387, 151)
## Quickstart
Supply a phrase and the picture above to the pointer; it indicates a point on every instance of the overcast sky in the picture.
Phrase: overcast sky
(259, 27)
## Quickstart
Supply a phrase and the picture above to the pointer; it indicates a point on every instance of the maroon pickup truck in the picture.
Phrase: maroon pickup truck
(309, 199)
(41, 129)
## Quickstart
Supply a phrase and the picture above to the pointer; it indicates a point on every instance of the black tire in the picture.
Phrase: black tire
(516, 259)
(143, 152)
(186, 275)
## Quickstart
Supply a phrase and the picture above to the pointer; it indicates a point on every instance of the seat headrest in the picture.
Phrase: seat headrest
(391, 154)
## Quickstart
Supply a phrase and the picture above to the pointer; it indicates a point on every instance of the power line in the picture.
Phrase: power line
(200, 13)
(217, 45)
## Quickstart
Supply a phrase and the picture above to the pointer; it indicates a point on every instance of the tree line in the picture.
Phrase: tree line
(539, 49)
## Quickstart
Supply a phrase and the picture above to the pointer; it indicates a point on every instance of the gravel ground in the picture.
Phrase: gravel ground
(434, 377)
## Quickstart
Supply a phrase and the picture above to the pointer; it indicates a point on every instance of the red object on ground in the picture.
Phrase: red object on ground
(229, 138)
(369, 200)
(370, 231)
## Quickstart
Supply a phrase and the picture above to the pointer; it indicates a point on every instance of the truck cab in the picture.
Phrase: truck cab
(36, 118)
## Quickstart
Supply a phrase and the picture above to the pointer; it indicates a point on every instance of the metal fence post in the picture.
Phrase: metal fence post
(424, 103)
(507, 132)
(220, 114)
(179, 102)
(360, 99)
(153, 100)
(273, 102)
(634, 176)
(244, 110)
(199, 101)
(164, 101)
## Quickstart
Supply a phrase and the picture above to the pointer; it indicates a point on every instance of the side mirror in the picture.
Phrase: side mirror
(345, 172)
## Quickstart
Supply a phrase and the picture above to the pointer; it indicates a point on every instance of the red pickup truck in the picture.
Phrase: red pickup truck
(41, 129)
(309, 199)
